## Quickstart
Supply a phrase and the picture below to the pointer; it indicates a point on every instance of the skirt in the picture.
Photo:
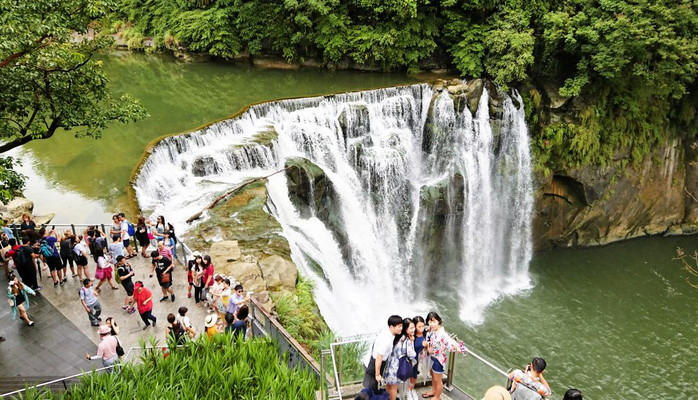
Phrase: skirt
(103, 273)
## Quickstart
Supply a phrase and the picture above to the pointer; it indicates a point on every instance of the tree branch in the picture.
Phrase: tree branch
(71, 69)
(15, 56)
(28, 138)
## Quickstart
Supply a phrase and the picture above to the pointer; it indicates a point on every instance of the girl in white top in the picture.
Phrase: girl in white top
(185, 322)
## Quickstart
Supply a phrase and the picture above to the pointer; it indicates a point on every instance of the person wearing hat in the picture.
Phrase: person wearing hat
(210, 326)
(497, 393)
(195, 258)
(144, 302)
(106, 350)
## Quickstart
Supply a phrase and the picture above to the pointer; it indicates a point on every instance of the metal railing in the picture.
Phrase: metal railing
(342, 365)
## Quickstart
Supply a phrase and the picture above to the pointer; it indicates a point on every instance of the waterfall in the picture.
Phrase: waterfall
(429, 199)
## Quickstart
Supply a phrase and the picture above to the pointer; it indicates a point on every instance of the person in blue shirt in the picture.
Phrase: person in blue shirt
(54, 263)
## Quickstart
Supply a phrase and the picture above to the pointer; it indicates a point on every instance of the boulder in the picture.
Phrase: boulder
(473, 93)
(247, 273)
(225, 251)
(15, 208)
(43, 219)
(354, 120)
(278, 272)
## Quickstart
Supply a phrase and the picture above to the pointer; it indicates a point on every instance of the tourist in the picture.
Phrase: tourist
(196, 258)
(197, 279)
(116, 247)
(27, 223)
(497, 393)
(422, 356)
(18, 299)
(126, 232)
(213, 292)
(66, 253)
(51, 256)
(573, 394)
(439, 344)
(80, 250)
(6, 229)
(531, 379)
(89, 300)
(142, 236)
(164, 250)
(240, 324)
(111, 323)
(6, 247)
(169, 243)
(24, 263)
(163, 268)
(104, 271)
(106, 350)
(144, 301)
(208, 277)
(236, 300)
(210, 326)
(115, 229)
(380, 351)
(403, 345)
(185, 322)
(159, 228)
(221, 303)
(126, 273)
(174, 331)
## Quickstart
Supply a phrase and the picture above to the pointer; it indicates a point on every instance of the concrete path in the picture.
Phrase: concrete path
(57, 344)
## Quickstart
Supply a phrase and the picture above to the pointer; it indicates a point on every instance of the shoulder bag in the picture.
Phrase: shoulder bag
(405, 369)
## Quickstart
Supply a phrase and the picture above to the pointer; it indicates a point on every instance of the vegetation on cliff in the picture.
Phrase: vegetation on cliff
(630, 63)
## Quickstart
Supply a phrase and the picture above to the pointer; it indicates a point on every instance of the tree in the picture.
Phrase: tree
(49, 80)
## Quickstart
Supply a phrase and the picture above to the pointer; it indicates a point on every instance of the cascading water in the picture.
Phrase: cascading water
(427, 198)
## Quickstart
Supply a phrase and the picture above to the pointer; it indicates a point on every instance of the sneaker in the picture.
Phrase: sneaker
(124, 307)
(99, 319)
(55, 284)
(131, 310)
(95, 324)
(30, 323)
(75, 275)
(163, 299)
(172, 297)
(62, 282)
(154, 322)
(146, 327)
(38, 288)
(65, 279)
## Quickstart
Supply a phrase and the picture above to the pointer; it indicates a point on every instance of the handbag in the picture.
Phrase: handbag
(405, 369)
(165, 277)
(119, 350)
(11, 302)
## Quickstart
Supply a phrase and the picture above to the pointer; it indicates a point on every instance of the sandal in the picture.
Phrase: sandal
(427, 395)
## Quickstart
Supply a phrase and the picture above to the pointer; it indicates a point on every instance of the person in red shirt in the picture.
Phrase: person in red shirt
(208, 276)
(144, 302)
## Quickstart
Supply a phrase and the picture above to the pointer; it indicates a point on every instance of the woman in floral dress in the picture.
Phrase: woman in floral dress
(402, 345)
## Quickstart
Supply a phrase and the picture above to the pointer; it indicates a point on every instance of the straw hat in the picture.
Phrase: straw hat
(497, 393)
(103, 330)
(210, 320)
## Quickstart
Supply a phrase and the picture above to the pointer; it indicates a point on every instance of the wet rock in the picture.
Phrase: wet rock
(202, 166)
(225, 251)
(354, 120)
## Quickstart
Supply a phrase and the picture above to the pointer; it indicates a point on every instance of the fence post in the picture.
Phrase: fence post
(338, 350)
(451, 368)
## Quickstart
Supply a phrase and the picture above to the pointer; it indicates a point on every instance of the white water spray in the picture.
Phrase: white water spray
(428, 198)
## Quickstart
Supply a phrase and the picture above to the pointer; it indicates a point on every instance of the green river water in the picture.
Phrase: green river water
(617, 322)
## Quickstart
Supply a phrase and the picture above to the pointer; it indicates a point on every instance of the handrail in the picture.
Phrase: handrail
(277, 325)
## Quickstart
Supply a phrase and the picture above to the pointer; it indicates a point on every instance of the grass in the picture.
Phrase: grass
(202, 369)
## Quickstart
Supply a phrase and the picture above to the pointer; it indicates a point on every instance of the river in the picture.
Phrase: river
(617, 322)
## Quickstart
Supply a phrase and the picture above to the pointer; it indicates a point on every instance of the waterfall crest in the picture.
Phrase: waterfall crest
(427, 198)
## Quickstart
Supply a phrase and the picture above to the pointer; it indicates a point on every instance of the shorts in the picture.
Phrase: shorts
(127, 242)
(81, 261)
(128, 287)
(437, 367)
(54, 263)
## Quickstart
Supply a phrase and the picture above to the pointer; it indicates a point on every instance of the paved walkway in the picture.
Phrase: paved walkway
(56, 345)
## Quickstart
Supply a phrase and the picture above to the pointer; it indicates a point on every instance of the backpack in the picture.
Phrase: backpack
(131, 231)
(117, 277)
(45, 248)
(21, 256)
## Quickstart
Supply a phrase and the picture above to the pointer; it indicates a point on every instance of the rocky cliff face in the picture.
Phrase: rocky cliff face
(596, 205)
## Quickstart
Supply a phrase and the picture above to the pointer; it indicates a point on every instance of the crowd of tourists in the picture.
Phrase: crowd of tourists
(408, 347)
(222, 296)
